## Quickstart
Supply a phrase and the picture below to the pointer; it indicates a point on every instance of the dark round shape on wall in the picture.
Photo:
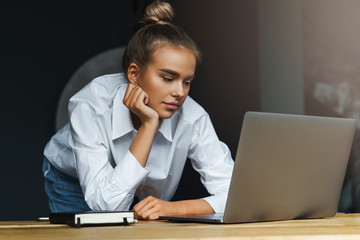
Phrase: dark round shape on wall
(104, 63)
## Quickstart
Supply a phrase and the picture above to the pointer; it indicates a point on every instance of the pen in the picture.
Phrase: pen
(40, 219)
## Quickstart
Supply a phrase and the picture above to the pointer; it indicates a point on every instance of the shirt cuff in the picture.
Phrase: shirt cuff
(217, 202)
(129, 172)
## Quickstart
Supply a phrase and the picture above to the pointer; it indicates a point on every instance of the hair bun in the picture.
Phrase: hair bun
(158, 12)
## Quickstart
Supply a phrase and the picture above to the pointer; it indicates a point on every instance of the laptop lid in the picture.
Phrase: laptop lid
(288, 167)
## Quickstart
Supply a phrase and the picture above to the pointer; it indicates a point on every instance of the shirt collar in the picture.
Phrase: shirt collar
(121, 120)
(165, 129)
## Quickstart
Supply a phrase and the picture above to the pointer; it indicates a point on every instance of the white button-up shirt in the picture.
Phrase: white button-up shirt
(94, 147)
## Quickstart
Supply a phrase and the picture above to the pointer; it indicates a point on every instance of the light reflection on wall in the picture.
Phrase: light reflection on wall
(331, 64)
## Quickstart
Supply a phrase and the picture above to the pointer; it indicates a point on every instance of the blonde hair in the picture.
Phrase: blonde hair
(157, 30)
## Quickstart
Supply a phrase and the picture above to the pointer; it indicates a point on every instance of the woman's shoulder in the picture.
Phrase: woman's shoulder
(191, 110)
(102, 87)
(108, 83)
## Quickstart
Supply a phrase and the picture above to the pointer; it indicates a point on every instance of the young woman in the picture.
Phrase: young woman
(129, 135)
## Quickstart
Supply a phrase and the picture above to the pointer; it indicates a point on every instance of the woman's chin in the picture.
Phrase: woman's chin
(166, 114)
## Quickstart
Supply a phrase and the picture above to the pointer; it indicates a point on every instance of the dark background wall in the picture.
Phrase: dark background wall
(43, 43)
(227, 82)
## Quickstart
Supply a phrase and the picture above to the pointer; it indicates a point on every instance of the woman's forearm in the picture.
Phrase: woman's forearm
(141, 145)
(151, 208)
(196, 206)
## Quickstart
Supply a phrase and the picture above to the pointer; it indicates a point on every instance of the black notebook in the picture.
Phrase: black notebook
(91, 218)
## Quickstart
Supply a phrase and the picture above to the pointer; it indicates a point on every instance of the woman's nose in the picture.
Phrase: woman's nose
(178, 90)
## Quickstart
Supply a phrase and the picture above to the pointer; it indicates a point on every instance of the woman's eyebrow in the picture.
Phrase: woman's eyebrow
(176, 74)
(170, 72)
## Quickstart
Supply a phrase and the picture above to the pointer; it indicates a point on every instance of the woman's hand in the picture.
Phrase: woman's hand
(136, 100)
(151, 208)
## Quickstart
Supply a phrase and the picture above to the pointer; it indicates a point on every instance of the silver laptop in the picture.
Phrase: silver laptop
(286, 167)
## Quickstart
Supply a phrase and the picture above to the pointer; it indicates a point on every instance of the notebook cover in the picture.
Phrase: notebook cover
(76, 219)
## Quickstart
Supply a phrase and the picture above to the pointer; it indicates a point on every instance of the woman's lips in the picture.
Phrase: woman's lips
(172, 106)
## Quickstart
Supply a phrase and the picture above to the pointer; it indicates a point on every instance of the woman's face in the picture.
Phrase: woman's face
(167, 78)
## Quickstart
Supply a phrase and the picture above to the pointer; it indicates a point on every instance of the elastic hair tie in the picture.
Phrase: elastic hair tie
(164, 20)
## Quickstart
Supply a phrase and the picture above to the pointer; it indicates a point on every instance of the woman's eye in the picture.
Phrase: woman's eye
(187, 83)
(167, 79)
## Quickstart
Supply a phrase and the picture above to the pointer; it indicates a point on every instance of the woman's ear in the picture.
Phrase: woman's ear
(133, 73)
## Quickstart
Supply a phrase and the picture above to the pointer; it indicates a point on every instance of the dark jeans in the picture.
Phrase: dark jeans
(63, 191)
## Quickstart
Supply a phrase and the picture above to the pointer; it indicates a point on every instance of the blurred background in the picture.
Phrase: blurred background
(298, 56)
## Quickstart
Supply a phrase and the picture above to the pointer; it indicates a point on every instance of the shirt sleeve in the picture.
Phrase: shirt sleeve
(212, 159)
(105, 187)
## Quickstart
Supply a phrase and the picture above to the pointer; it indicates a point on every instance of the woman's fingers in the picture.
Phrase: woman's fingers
(130, 98)
(152, 213)
(146, 98)
(151, 208)
(140, 206)
(141, 99)
(148, 208)
(128, 92)
(136, 100)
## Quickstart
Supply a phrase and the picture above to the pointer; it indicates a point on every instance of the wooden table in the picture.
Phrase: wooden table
(342, 226)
